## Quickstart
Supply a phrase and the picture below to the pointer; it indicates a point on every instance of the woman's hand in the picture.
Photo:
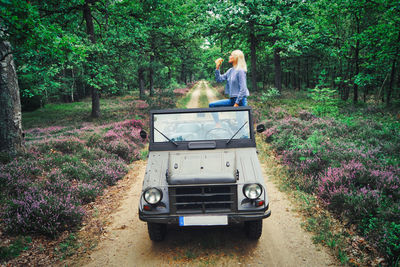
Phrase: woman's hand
(218, 63)
(236, 105)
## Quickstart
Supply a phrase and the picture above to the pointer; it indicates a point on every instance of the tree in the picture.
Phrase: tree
(87, 15)
(10, 105)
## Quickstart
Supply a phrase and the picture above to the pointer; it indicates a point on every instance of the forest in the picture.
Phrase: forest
(66, 49)
(323, 76)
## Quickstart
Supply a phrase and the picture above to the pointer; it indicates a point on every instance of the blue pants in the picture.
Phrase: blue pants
(228, 102)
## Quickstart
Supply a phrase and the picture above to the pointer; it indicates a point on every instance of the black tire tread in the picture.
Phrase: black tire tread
(253, 229)
(157, 231)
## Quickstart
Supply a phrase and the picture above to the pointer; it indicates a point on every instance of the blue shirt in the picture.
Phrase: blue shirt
(236, 83)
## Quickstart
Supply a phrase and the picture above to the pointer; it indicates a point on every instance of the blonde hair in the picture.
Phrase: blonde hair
(241, 62)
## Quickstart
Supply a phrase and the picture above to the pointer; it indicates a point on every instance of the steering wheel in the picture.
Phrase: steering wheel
(218, 133)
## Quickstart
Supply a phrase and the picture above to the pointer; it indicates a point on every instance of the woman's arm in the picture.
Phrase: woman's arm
(221, 77)
(242, 86)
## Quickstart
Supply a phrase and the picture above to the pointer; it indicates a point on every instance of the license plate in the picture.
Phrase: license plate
(206, 220)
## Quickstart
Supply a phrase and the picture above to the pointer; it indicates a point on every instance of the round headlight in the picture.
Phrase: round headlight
(152, 195)
(252, 191)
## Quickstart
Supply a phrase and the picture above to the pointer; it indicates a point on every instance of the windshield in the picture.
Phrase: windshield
(201, 126)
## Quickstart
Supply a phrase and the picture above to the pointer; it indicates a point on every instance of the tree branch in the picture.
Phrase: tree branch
(61, 11)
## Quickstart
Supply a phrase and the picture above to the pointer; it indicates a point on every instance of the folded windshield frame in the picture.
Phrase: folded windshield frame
(215, 138)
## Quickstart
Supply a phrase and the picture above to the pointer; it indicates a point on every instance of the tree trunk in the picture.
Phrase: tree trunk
(253, 51)
(357, 70)
(346, 87)
(183, 79)
(392, 75)
(298, 75)
(151, 78)
(285, 75)
(278, 70)
(307, 75)
(169, 74)
(87, 14)
(141, 82)
(10, 105)
(356, 59)
(390, 87)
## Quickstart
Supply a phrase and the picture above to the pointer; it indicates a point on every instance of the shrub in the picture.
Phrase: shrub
(390, 240)
(306, 115)
(94, 140)
(75, 171)
(42, 211)
(352, 165)
(58, 183)
(88, 192)
(269, 95)
(17, 176)
(42, 189)
(57, 160)
(108, 171)
(93, 154)
(120, 148)
(326, 101)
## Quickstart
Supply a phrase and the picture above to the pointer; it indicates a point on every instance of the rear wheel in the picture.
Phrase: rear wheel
(253, 229)
(157, 231)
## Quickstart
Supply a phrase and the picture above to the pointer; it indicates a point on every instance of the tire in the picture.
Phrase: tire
(157, 231)
(253, 229)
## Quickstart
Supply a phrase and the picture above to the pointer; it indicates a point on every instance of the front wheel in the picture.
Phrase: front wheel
(157, 231)
(253, 229)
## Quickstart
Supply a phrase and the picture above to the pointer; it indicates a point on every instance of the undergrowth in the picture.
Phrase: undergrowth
(348, 160)
(69, 160)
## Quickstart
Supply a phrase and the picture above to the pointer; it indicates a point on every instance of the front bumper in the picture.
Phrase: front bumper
(233, 218)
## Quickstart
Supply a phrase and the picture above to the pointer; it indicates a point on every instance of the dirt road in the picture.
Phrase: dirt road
(283, 242)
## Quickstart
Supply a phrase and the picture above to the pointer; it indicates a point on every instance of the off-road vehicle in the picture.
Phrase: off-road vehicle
(203, 170)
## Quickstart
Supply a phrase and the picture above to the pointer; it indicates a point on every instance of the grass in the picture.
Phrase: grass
(15, 248)
(183, 101)
(76, 113)
(203, 99)
(68, 247)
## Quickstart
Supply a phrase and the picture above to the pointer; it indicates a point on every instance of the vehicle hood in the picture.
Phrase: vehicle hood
(238, 165)
(202, 168)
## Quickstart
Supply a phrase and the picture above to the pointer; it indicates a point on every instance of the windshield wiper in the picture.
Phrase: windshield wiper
(236, 133)
(166, 136)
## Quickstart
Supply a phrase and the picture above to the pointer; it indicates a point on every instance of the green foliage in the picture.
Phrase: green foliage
(182, 102)
(270, 94)
(68, 246)
(326, 101)
(15, 248)
(88, 192)
(203, 99)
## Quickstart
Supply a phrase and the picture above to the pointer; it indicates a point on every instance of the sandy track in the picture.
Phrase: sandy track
(194, 100)
(283, 243)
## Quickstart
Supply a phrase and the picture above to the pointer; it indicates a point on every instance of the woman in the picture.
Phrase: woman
(236, 86)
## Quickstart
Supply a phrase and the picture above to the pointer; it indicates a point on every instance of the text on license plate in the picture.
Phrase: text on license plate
(207, 220)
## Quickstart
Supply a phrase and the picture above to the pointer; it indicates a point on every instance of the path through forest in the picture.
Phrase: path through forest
(283, 242)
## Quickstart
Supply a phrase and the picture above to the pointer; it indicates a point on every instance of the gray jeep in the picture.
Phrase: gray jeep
(203, 170)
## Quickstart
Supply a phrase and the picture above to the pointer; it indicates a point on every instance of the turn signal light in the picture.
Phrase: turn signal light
(259, 203)
(147, 207)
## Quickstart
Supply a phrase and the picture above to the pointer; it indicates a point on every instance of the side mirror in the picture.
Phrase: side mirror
(260, 128)
(143, 134)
